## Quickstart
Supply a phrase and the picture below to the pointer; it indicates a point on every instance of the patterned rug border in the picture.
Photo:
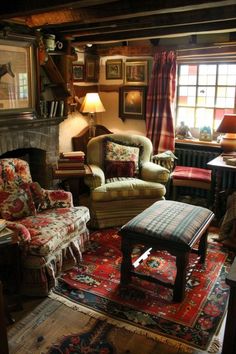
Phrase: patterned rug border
(214, 346)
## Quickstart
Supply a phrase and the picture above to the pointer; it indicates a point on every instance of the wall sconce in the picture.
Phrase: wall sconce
(228, 126)
(92, 105)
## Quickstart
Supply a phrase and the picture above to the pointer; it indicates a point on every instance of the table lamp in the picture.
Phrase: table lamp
(228, 126)
(92, 104)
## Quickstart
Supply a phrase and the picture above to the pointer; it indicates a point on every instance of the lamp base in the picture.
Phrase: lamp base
(92, 127)
(228, 142)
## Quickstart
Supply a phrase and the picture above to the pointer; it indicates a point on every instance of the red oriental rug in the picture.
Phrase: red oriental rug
(147, 306)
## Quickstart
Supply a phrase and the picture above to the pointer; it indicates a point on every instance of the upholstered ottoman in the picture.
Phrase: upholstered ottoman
(166, 225)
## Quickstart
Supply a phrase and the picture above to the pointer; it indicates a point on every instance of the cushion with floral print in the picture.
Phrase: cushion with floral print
(56, 199)
(38, 193)
(120, 152)
(16, 204)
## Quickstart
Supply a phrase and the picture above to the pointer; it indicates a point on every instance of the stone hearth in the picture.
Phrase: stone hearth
(37, 140)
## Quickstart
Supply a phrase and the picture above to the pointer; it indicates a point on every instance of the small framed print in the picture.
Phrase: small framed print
(78, 72)
(114, 69)
(136, 72)
(132, 102)
(91, 68)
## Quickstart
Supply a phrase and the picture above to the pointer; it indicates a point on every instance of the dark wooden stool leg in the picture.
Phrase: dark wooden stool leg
(202, 248)
(229, 342)
(3, 330)
(126, 264)
(182, 261)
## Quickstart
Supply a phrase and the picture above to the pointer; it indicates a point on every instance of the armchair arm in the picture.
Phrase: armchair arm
(95, 180)
(154, 173)
(21, 232)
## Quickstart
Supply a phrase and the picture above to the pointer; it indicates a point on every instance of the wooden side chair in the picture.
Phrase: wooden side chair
(194, 177)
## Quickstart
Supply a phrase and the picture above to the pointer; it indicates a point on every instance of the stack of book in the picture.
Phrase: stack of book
(229, 158)
(71, 163)
(5, 233)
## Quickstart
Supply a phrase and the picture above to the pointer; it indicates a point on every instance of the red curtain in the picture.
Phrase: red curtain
(160, 98)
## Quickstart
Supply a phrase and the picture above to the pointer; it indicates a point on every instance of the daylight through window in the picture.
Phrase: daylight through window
(205, 92)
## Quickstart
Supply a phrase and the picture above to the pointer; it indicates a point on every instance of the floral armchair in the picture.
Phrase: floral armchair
(52, 233)
(124, 180)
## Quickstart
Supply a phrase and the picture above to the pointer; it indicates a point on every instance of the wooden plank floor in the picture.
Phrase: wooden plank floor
(43, 322)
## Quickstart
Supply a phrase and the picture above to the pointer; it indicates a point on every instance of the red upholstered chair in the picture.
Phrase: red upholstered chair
(194, 177)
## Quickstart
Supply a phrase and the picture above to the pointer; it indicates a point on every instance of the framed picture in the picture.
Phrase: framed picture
(136, 72)
(17, 79)
(91, 68)
(114, 69)
(78, 72)
(132, 102)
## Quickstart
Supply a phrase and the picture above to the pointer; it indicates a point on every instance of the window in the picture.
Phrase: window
(205, 92)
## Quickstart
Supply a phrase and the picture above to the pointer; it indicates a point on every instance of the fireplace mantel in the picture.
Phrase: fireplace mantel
(22, 124)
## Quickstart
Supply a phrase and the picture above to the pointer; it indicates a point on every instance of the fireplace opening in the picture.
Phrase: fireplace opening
(36, 159)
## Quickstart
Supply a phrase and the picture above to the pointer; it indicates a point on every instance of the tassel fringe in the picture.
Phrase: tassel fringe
(117, 323)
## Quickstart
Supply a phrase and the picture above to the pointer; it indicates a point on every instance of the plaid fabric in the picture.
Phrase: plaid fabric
(169, 220)
(193, 173)
(160, 97)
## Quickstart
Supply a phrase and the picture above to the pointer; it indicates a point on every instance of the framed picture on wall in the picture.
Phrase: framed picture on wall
(136, 72)
(114, 69)
(17, 78)
(132, 102)
(78, 72)
(91, 68)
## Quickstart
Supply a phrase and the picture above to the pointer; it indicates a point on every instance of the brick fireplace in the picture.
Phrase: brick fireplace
(36, 141)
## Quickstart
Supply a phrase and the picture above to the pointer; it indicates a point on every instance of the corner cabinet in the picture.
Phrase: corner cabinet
(55, 90)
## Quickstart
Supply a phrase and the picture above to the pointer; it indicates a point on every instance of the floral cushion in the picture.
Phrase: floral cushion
(13, 172)
(56, 199)
(119, 169)
(37, 192)
(16, 204)
(119, 152)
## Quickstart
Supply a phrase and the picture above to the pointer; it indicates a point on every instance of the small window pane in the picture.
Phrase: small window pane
(207, 75)
(206, 96)
(185, 115)
(188, 75)
(187, 96)
(204, 117)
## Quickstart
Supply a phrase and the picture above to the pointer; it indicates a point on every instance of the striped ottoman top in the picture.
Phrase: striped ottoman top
(169, 221)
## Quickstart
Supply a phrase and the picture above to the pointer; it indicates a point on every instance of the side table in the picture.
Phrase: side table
(219, 166)
(10, 274)
(67, 178)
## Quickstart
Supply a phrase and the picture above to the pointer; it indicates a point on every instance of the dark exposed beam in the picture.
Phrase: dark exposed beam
(176, 31)
(158, 21)
(29, 7)
(104, 21)
(122, 10)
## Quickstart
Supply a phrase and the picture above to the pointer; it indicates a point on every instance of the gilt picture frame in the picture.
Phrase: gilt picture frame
(78, 72)
(114, 69)
(132, 102)
(136, 72)
(91, 68)
(17, 78)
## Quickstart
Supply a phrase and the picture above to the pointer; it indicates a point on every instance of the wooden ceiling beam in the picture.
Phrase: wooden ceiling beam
(29, 7)
(158, 21)
(176, 31)
(118, 10)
